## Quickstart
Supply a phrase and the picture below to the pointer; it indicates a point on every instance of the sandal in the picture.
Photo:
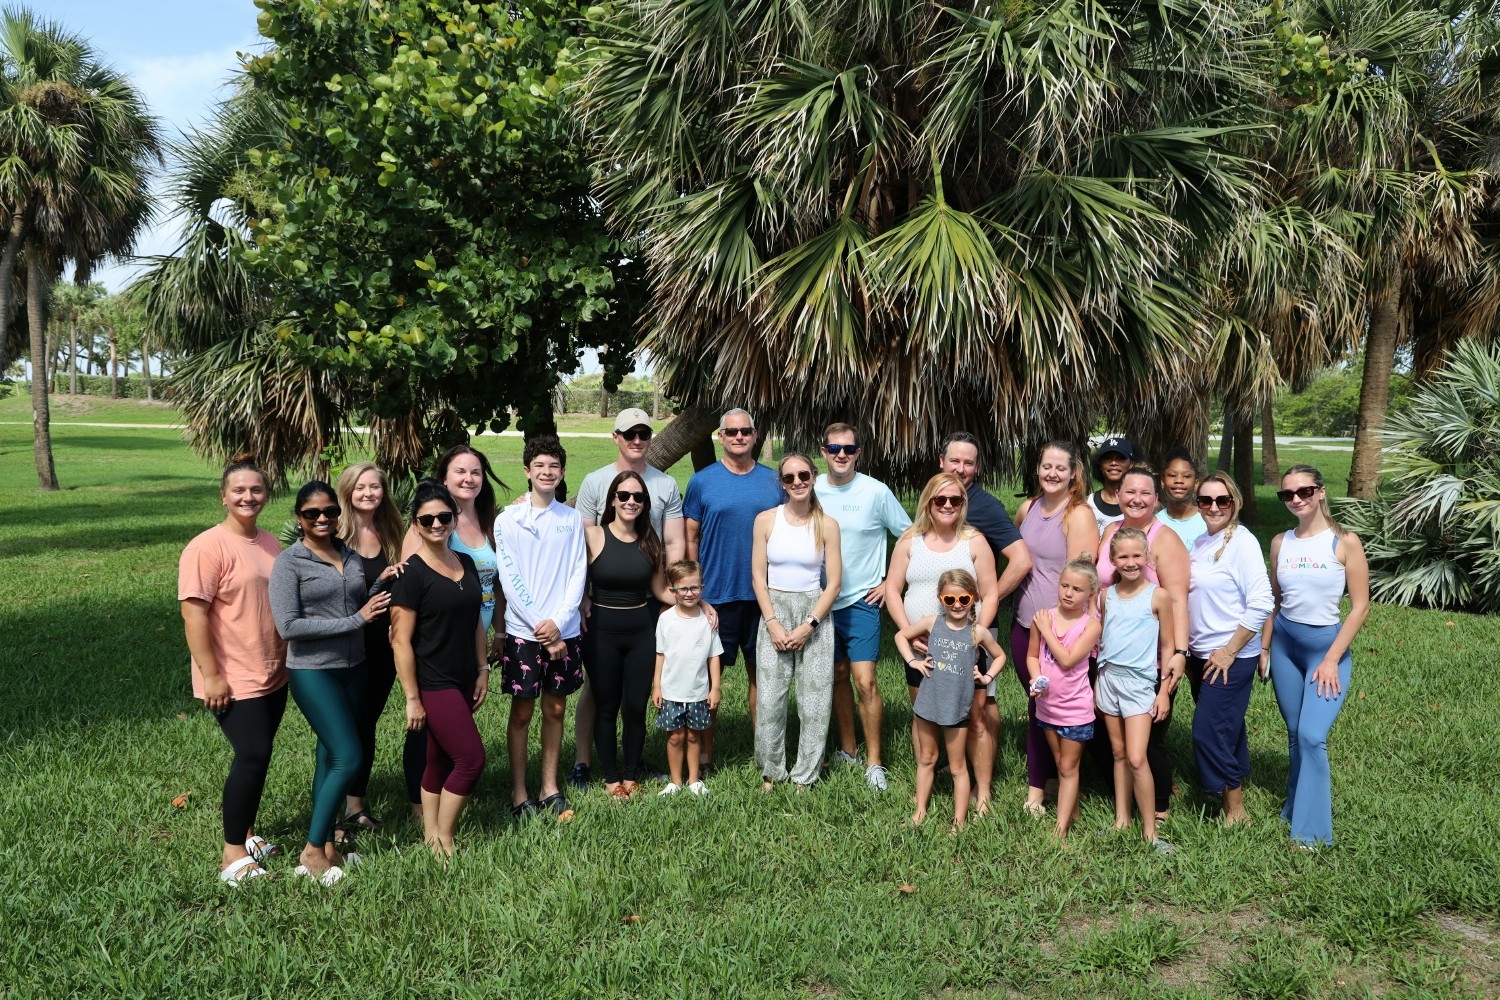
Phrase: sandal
(260, 850)
(236, 874)
(362, 819)
(558, 805)
(629, 786)
(619, 792)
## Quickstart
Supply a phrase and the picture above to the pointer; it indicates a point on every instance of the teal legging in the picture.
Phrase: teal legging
(330, 699)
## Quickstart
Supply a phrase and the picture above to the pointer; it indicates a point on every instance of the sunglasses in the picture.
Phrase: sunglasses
(944, 502)
(803, 476)
(1223, 501)
(841, 449)
(625, 496)
(313, 513)
(958, 600)
(442, 517)
(734, 432)
(635, 434)
(1301, 493)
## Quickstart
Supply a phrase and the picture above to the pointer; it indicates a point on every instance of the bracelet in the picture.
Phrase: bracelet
(914, 659)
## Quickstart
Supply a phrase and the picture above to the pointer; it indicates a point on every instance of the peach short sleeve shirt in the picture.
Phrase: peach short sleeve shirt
(232, 573)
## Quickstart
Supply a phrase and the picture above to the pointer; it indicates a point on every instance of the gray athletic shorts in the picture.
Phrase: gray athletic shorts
(1124, 691)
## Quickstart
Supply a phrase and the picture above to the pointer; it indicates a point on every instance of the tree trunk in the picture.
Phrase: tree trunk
(704, 454)
(1226, 446)
(603, 402)
(73, 355)
(41, 417)
(146, 367)
(1244, 468)
(1374, 392)
(683, 434)
(7, 277)
(114, 364)
(1183, 424)
(1270, 466)
(655, 397)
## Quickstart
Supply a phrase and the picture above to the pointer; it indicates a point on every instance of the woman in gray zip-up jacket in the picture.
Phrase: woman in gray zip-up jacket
(321, 603)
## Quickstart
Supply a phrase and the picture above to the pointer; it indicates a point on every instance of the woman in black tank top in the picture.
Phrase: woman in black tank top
(625, 574)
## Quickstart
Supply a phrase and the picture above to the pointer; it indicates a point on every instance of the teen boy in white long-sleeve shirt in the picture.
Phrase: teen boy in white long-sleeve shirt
(543, 563)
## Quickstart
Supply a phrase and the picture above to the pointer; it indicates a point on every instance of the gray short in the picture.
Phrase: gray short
(1124, 691)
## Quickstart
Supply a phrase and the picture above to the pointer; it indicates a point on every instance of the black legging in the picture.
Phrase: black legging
(250, 725)
(620, 658)
(1158, 757)
(380, 677)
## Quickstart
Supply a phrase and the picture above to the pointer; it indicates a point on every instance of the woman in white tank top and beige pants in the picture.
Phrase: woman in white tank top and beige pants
(796, 573)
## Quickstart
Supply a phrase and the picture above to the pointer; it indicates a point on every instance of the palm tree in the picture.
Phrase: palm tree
(1001, 217)
(1401, 149)
(78, 147)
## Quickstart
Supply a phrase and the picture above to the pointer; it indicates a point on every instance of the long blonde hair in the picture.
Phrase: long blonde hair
(1317, 477)
(814, 506)
(1227, 481)
(386, 520)
(921, 522)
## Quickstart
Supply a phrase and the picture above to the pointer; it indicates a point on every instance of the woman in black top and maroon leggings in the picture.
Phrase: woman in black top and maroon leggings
(438, 639)
(625, 572)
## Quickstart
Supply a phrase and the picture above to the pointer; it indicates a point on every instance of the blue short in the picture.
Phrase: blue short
(1078, 734)
(856, 633)
(675, 715)
(739, 621)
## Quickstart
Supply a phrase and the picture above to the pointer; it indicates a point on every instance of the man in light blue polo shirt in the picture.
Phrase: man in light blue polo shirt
(867, 512)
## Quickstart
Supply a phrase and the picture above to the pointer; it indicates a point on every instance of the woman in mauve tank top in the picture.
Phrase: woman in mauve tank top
(1057, 525)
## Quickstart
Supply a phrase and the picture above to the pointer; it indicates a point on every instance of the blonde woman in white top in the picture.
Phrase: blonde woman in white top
(796, 569)
(940, 538)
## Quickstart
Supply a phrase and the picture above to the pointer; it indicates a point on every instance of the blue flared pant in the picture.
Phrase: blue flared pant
(1296, 651)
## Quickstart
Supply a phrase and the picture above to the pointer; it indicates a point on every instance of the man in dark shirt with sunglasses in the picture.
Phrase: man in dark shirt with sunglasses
(720, 507)
(632, 436)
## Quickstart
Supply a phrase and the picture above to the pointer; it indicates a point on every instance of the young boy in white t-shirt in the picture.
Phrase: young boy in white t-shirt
(685, 689)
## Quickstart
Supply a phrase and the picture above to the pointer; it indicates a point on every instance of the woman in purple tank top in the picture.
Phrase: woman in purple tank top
(1057, 525)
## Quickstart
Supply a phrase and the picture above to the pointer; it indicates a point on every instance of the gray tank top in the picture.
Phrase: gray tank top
(945, 697)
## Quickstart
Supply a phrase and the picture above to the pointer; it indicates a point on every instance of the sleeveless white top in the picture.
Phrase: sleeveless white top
(1311, 578)
(922, 572)
(793, 561)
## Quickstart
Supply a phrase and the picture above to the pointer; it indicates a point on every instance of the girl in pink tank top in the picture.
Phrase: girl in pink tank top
(1061, 640)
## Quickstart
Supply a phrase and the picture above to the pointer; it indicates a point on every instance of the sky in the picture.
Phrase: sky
(180, 53)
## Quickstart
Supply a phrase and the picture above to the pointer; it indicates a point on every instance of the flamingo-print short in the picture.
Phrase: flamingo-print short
(527, 671)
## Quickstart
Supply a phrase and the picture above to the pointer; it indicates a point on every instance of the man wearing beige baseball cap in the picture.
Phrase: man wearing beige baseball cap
(632, 435)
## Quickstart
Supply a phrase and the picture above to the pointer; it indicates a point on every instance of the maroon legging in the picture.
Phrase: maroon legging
(455, 753)
(1040, 768)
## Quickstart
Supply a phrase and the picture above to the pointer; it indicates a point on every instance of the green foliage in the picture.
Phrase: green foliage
(1329, 405)
(430, 236)
(1132, 947)
(127, 386)
(1433, 533)
(1306, 66)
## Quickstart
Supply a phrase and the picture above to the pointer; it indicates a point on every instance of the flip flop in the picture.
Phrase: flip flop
(556, 803)
(260, 850)
(235, 875)
(330, 877)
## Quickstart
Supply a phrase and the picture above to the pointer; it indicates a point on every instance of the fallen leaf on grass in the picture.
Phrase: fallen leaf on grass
(907, 888)
(182, 716)
(181, 801)
(630, 918)
(1436, 704)
(1449, 623)
(1361, 696)
(85, 576)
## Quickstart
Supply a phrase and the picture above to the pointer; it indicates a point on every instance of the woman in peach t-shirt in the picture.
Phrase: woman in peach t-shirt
(239, 662)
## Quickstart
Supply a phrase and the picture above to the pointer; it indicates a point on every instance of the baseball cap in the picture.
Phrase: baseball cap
(1119, 445)
(632, 416)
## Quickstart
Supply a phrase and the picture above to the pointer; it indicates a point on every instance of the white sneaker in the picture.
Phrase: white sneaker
(842, 757)
(875, 777)
(671, 789)
(698, 788)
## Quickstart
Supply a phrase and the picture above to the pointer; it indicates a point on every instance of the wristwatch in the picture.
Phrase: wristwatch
(812, 622)
(1184, 653)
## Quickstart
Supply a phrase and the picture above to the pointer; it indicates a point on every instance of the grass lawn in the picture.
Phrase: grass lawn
(108, 890)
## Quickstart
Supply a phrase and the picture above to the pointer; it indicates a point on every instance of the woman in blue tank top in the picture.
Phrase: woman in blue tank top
(1313, 566)
(468, 476)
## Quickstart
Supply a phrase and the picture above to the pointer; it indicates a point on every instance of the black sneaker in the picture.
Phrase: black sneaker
(579, 776)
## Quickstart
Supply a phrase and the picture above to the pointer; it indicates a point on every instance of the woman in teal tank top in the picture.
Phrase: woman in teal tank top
(468, 476)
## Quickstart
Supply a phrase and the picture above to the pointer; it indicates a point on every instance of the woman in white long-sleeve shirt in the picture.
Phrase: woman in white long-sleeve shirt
(1229, 600)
